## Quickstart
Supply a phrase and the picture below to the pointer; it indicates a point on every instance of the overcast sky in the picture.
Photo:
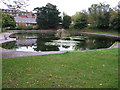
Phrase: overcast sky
(68, 6)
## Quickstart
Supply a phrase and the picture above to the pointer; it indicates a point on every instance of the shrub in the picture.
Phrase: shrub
(90, 26)
(66, 21)
(28, 28)
(80, 23)
(71, 26)
(35, 28)
(22, 25)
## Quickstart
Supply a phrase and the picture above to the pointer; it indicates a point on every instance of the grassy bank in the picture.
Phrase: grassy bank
(112, 32)
(92, 69)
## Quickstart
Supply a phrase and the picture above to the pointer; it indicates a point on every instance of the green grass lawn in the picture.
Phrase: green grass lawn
(112, 33)
(92, 69)
(101, 31)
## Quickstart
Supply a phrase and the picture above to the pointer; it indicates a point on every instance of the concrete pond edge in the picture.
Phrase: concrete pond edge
(6, 53)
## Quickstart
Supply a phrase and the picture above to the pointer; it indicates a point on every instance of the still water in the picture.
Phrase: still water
(35, 42)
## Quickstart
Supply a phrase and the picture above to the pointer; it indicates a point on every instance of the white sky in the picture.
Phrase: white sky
(68, 6)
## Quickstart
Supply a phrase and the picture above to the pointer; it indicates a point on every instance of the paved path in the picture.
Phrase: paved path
(6, 34)
(12, 53)
(117, 46)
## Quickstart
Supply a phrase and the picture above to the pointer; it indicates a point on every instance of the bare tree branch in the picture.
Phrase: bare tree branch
(16, 4)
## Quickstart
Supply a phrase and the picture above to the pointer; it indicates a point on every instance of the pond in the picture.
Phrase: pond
(36, 42)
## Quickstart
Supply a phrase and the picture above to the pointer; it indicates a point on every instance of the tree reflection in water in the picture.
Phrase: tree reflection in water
(42, 39)
(49, 42)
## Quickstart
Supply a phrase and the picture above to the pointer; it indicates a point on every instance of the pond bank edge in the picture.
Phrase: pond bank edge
(18, 53)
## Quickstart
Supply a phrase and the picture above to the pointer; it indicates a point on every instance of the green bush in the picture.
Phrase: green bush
(90, 26)
(71, 26)
(28, 28)
(25, 28)
(17, 28)
(66, 21)
(35, 28)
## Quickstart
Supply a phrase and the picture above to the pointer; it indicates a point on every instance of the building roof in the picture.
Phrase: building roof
(25, 20)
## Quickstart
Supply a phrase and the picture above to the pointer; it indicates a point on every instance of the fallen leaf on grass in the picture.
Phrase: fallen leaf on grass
(49, 78)
(58, 85)
(27, 82)
(50, 75)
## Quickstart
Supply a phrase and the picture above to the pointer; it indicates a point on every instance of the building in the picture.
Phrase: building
(28, 18)
(27, 14)
(28, 21)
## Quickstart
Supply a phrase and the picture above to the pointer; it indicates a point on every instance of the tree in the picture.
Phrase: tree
(16, 4)
(47, 17)
(99, 15)
(115, 24)
(115, 19)
(80, 20)
(76, 16)
(0, 19)
(66, 21)
(80, 23)
(8, 21)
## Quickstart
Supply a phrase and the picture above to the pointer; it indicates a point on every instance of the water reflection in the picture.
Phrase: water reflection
(26, 48)
(50, 42)
(42, 39)
(62, 33)
(63, 45)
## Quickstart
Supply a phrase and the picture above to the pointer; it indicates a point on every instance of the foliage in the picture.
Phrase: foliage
(35, 28)
(115, 24)
(47, 17)
(8, 21)
(80, 20)
(99, 15)
(71, 26)
(92, 69)
(24, 28)
(76, 16)
(0, 18)
(29, 28)
(115, 19)
(9, 45)
(66, 21)
(80, 23)
(22, 25)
